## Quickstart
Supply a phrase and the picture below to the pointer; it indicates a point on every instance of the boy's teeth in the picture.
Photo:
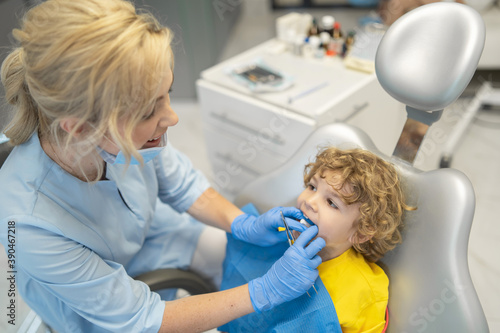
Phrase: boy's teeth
(308, 220)
(304, 223)
(154, 139)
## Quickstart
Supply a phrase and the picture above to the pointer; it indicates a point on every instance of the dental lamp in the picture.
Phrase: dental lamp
(426, 61)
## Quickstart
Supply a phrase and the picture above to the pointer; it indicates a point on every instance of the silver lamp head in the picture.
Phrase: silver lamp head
(425, 60)
(428, 56)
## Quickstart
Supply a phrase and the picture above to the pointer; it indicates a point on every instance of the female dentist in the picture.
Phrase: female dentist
(92, 195)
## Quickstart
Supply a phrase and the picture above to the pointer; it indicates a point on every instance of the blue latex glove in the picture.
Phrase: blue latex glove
(263, 230)
(291, 276)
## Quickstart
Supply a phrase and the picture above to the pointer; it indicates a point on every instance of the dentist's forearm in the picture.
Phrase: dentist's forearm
(213, 209)
(203, 312)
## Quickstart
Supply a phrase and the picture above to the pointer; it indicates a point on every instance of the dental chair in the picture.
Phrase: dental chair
(425, 60)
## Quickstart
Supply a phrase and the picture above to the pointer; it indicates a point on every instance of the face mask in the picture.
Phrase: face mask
(147, 154)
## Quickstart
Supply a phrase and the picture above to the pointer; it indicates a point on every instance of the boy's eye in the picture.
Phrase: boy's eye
(311, 187)
(331, 203)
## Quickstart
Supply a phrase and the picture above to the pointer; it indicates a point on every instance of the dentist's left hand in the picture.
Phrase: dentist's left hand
(263, 230)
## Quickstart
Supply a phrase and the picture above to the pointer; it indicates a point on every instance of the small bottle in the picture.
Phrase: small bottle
(325, 39)
(348, 42)
(313, 30)
(337, 41)
(327, 23)
(314, 47)
(337, 32)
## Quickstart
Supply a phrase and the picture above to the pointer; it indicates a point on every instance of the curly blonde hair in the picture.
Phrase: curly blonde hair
(376, 186)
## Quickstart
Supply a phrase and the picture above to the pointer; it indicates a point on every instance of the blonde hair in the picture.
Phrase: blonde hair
(96, 60)
(376, 186)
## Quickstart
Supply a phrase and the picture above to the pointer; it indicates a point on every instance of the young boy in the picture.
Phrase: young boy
(355, 199)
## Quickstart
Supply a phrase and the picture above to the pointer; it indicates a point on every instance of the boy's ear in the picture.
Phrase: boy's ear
(70, 124)
(357, 238)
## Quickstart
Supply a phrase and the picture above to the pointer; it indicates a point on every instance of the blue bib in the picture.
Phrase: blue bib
(245, 262)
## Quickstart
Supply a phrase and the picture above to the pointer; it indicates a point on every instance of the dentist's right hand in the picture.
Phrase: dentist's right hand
(291, 276)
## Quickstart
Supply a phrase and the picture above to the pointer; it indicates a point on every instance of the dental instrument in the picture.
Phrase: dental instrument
(291, 240)
(289, 234)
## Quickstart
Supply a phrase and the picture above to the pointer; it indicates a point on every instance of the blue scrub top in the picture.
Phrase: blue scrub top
(77, 244)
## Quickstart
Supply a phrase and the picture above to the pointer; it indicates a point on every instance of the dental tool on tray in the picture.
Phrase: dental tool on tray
(291, 240)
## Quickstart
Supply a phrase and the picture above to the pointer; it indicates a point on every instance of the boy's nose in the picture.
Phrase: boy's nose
(311, 203)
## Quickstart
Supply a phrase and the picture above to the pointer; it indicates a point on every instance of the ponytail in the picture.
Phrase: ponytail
(26, 119)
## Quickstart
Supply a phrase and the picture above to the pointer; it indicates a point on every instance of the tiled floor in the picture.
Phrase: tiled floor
(478, 156)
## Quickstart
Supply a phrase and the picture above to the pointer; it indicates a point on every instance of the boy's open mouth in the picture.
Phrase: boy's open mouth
(307, 221)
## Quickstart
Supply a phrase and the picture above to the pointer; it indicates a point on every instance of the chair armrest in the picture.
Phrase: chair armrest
(175, 278)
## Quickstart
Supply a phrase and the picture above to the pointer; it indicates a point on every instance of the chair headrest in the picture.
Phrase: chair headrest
(428, 56)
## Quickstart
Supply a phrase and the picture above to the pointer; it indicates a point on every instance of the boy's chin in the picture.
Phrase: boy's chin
(296, 235)
(324, 257)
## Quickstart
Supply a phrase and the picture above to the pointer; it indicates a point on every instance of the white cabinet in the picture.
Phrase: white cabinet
(249, 134)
